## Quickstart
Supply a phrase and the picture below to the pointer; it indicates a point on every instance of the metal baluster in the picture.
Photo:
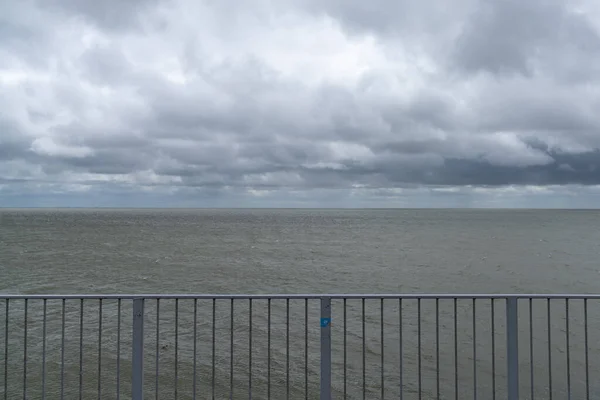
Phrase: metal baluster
(382, 355)
(44, 349)
(455, 349)
(269, 349)
(306, 349)
(157, 361)
(325, 348)
(364, 349)
(345, 351)
(419, 347)
(568, 349)
(118, 349)
(512, 347)
(195, 362)
(549, 353)
(62, 350)
(231, 353)
(531, 371)
(493, 305)
(81, 349)
(250, 349)
(100, 349)
(587, 361)
(400, 347)
(214, 352)
(6, 350)
(137, 353)
(176, 347)
(474, 352)
(287, 348)
(25, 352)
(437, 348)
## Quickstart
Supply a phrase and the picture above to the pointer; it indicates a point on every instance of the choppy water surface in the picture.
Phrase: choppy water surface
(298, 251)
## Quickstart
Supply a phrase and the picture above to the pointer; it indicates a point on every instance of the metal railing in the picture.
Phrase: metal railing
(299, 346)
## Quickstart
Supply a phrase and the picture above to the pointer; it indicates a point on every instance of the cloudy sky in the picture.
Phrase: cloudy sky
(292, 103)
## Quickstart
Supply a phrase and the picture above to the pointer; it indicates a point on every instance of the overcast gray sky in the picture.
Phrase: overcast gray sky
(292, 103)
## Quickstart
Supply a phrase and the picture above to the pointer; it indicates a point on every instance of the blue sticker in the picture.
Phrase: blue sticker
(325, 322)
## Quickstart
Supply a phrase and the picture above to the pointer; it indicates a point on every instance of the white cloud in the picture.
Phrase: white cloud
(47, 146)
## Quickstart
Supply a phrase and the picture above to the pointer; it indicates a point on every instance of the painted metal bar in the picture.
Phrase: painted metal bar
(550, 391)
(325, 348)
(25, 350)
(382, 341)
(568, 347)
(62, 349)
(419, 349)
(345, 349)
(137, 357)
(587, 349)
(44, 327)
(176, 366)
(437, 349)
(214, 347)
(250, 348)
(456, 349)
(7, 310)
(531, 369)
(157, 350)
(231, 327)
(314, 296)
(401, 348)
(512, 348)
(306, 349)
(100, 349)
(195, 351)
(474, 350)
(493, 333)
(119, 349)
(268, 349)
(287, 348)
(364, 352)
(81, 349)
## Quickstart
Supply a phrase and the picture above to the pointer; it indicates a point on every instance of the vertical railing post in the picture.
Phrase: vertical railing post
(512, 347)
(325, 348)
(137, 364)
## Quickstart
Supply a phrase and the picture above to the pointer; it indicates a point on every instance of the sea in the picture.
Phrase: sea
(408, 349)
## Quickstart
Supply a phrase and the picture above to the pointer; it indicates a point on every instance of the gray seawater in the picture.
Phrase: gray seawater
(299, 251)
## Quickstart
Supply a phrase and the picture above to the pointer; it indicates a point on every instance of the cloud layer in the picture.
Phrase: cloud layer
(298, 98)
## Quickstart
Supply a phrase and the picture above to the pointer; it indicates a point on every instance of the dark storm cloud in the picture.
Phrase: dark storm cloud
(12, 143)
(106, 65)
(299, 95)
(111, 14)
(511, 36)
(423, 19)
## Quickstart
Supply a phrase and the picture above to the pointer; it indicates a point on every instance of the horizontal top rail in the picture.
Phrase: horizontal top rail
(296, 296)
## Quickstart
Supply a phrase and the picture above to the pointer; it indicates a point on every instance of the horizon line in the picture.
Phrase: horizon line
(290, 208)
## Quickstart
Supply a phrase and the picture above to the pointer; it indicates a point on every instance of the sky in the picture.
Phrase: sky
(300, 103)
